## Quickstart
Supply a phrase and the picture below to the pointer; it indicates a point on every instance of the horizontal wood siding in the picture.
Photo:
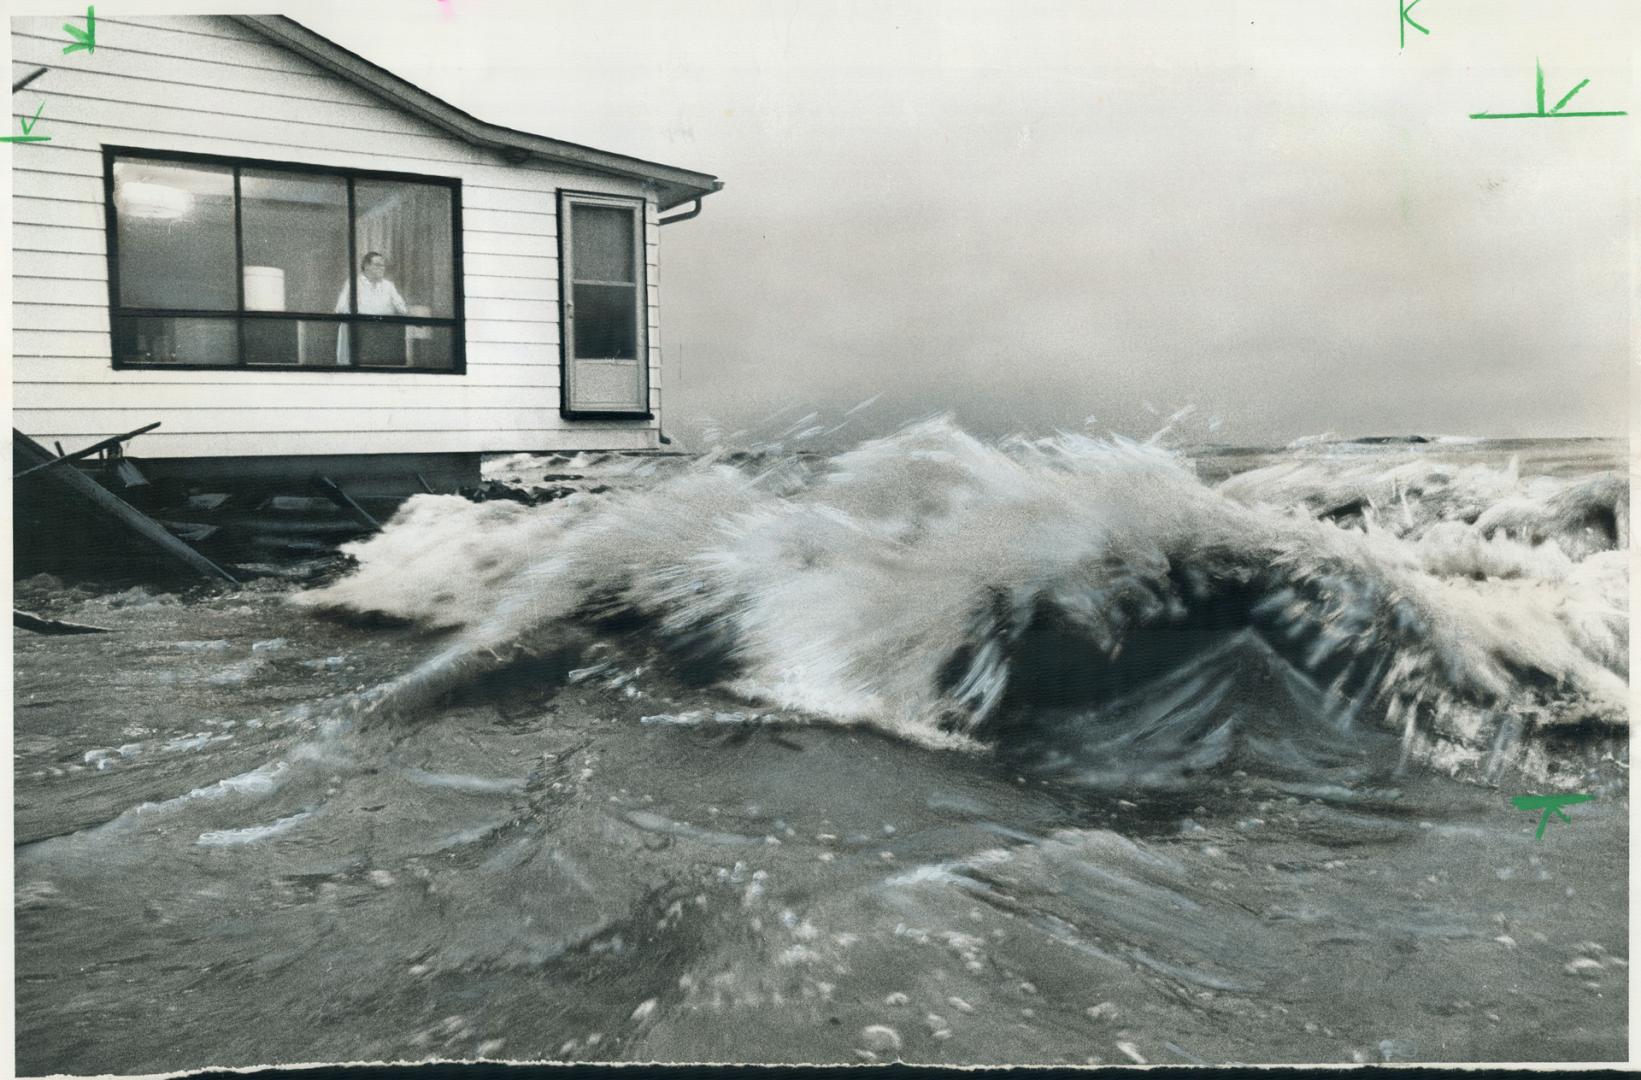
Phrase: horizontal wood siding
(57, 370)
(204, 84)
(634, 435)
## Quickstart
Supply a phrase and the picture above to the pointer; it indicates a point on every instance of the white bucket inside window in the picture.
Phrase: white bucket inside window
(264, 288)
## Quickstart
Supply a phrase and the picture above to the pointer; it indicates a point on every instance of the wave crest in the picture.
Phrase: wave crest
(955, 591)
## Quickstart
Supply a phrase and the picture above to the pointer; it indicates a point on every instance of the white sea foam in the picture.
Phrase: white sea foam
(472, 785)
(252, 834)
(901, 583)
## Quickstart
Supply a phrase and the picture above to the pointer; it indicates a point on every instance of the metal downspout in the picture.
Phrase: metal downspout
(685, 216)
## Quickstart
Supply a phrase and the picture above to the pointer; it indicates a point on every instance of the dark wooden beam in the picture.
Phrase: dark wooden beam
(326, 486)
(78, 483)
(114, 440)
(24, 620)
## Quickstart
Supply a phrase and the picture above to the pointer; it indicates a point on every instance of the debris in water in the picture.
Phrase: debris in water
(202, 646)
(39, 624)
(880, 1039)
(236, 674)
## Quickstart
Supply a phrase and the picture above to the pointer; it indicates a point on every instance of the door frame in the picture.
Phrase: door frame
(639, 206)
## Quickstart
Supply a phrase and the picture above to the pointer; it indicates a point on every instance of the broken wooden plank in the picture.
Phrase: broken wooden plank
(24, 620)
(336, 495)
(78, 454)
(296, 504)
(129, 473)
(265, 525)
(78, 483)
(192, 531)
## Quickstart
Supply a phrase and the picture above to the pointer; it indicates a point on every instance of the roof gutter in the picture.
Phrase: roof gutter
(693, 211)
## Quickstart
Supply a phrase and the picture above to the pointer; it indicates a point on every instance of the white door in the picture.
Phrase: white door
(601, 274)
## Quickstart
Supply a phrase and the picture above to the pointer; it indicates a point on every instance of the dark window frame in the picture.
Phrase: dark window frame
(639, 204)
(455, 322)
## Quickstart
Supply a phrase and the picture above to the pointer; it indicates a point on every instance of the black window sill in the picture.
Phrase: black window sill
(573, 414)
(307, 369)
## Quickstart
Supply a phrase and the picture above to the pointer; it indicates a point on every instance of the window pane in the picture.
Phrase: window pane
(601, 243)
(295, 234)
(379, 344)
(606, 322)
(430, 347)
(291, 341)
(373, 344)
(408, 225)
(176, 341)
(608, 385)
(175, 231)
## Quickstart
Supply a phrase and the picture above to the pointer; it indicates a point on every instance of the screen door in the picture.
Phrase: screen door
(606, 346)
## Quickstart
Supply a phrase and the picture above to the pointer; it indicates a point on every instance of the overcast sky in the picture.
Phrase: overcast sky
(1031, 213)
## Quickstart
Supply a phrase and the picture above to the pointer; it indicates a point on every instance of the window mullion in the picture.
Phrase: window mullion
(239, 276)
(348, 325)
(353, 255)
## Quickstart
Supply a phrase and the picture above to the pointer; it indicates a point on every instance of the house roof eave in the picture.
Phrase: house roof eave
(673, 186)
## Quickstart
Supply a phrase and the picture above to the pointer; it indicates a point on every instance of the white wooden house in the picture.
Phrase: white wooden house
(295, 259)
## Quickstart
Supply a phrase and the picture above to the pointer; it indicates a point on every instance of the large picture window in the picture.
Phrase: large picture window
(217, 263)
(606, 323)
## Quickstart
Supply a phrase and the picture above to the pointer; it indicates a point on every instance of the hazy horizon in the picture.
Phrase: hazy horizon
(1036, 214)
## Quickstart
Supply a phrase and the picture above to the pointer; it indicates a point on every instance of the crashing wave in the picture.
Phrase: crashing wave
(957, 592)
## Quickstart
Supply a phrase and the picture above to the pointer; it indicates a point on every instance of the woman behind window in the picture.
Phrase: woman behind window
(377, 296)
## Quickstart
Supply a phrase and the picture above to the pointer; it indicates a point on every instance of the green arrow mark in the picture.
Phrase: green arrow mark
(83, 39)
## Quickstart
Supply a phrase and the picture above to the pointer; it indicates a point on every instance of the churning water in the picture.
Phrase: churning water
(1048, 750)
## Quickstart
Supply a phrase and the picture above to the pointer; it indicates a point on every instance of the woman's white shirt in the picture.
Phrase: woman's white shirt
(375, 298)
